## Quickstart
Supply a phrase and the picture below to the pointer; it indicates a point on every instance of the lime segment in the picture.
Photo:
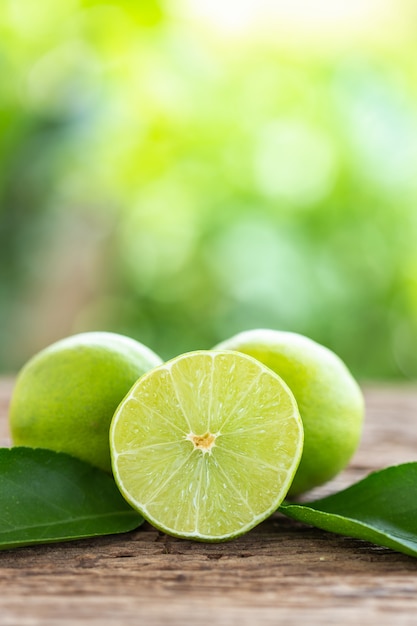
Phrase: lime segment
(206, 445)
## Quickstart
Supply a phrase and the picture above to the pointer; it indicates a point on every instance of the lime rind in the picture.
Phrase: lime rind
(329, 399)
(65, 396)
(206, 445)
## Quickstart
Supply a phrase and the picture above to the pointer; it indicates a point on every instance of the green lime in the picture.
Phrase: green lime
(206, 446)
(65, 396)
(329, 399)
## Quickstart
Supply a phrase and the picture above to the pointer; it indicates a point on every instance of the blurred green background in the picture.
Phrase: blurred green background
(179, 171)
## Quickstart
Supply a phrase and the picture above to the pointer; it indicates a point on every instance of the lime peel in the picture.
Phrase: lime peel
(65, 396)
(329, 399)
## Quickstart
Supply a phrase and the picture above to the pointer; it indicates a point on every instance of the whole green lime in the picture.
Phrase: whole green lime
(65, 396)
(329, 399)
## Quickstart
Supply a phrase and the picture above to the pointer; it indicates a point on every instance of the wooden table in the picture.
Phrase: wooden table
(280, 572)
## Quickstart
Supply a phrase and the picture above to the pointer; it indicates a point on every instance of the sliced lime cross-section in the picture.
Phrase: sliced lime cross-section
(206, 445)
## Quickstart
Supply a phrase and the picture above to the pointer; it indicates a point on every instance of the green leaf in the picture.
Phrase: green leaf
(47, 496)
(381, 508)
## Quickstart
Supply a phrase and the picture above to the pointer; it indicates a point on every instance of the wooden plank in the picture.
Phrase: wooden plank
(281, 570)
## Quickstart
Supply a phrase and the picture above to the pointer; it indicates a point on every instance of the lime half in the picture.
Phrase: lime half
(206, 446)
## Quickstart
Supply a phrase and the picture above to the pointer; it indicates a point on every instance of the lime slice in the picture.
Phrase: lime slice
(206, 446)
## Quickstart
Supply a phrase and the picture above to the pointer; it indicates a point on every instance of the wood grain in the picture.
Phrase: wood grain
(280, 571)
